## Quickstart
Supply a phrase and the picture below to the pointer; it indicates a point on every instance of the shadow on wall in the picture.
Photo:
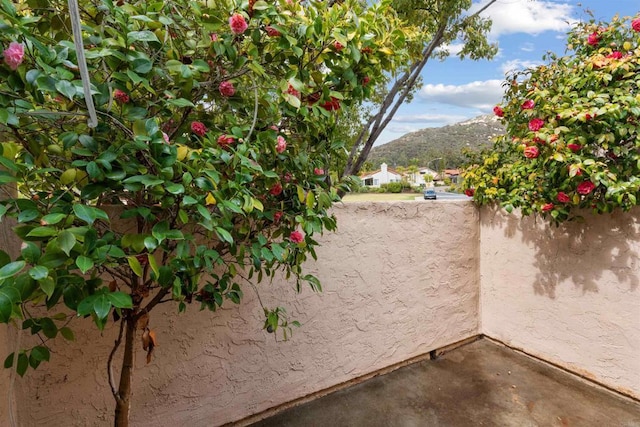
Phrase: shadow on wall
(580, 251)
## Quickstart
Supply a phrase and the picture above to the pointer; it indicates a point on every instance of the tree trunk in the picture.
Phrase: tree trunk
(123, 399)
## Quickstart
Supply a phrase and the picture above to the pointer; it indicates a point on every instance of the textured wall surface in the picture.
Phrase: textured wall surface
(569, 295)
(399, 280)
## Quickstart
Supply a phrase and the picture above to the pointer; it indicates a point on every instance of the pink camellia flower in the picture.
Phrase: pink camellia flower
(585, 187)
(281, 144)
(531, 152)
(470, 192)
(318, 171)
(615, 55)
(166, 138)
(14, 55)
(292, 91)
(198, 128)
(547, 207)
(288, 177)
(296, 237)
(226, 89)
(213, 37)
(498, 111)
(276, 189)
(272, 32)
(635, 24)
(120, 96)
(338, 46)
(562, 197)
(528, 104)
(277, 216)
(553, 138)
(536, 124)
(593, 39)
(237, 23)
(574, 147)
(225, 140)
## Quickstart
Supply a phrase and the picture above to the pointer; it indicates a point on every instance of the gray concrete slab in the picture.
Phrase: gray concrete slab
(479, 384)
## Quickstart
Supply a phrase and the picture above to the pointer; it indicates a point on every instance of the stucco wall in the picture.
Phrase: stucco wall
(569, 295)
(399, 280)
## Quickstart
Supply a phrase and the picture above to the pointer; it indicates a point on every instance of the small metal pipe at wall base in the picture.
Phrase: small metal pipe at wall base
(431, 355)
(582, 377)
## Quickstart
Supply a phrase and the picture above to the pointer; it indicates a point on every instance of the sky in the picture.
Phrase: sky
(455, 90)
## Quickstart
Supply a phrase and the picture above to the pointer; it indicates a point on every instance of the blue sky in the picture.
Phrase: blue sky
(525, 30)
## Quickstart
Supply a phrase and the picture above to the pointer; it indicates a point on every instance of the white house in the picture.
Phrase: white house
(420, 175)
(382, 176)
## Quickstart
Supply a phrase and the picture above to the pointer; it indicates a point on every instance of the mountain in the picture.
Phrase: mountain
(447, 142)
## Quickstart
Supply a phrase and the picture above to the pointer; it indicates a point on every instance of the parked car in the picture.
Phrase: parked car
(430, 194)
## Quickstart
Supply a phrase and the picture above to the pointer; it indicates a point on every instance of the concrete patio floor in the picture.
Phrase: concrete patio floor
(479, 384)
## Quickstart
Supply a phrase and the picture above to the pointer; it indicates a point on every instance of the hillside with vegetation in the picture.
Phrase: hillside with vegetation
(448, 142)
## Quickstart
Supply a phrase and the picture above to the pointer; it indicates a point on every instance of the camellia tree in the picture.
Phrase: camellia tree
(572, 130)
(171, 152)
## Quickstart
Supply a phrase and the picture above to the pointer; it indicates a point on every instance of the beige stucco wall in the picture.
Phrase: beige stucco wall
(570, 295)
(400, 279)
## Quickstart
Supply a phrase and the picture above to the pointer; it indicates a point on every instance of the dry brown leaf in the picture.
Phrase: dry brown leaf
(145, 339)
(143, 321)
(113, 286)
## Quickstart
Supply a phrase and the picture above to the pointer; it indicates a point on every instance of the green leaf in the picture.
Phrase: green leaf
(23, 364)
(28, 215)
(53, 218)
(49, 329)
(89, 214)
(224, 235)
(67, 241)
(11, 269)
(67, 333)
(8, 362)
(154, 265)
(39, 272)
(42, 232)
(102, 306)
(66, 88)
(47, 285)
(84, 263)
(141, 36)
(40, 353)
(120, 299)
(180, 102)
(135, 265)
(8, 297)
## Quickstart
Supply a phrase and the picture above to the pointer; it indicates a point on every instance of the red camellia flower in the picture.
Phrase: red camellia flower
(585, 187)
(366, 50)
(528, 104)
(13, 55)
(498, 111)
(531, 152)
(288, 177)
(615, 55)
(292, 91)
(332, 105)
(272, 32)
(213, 37)
(562, 197)
(593, 39)
(281, 144)
(574, 147)
(318, 171)
(635, 24)
(226, 89)
(366, 80)
(277, 216)
(338, 46)
(536, 124)
(237, 23)
(547, 207)
(198, 128)
(225, 140)
(276, 189)
(296, 237)
(120, 96)
(470, 192)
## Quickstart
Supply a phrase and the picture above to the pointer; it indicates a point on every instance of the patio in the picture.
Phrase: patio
(481, 383)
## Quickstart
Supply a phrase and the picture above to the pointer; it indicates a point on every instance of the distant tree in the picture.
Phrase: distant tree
(440, 22)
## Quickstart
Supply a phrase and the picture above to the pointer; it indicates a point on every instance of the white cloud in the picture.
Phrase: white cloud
(517, 65)
(526, 16)
(527, 47)
(482, 95)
